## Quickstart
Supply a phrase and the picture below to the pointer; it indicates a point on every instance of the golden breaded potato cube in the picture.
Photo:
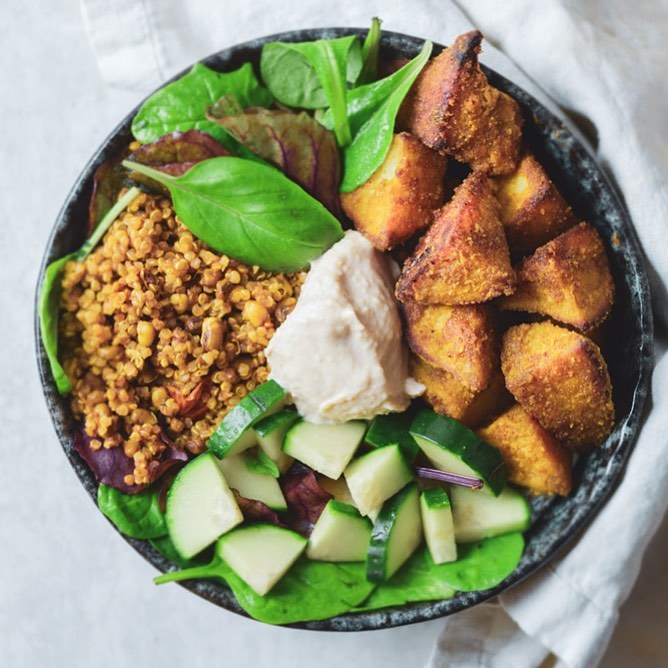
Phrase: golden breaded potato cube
(531, 209)
(458, 339)
(463, 258)
(560, 377)
(535, 459)
(399, 198)
(453, 109)
(448, 396)
(567, 279)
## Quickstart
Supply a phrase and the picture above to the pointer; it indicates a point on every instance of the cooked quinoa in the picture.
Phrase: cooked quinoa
(161, 336)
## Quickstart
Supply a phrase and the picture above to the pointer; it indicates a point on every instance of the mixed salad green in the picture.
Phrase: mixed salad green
(253, 511)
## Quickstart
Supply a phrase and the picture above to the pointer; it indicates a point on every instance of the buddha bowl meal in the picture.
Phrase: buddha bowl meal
(333, 327)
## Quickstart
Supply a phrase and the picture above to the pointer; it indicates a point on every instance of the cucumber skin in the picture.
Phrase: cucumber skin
(393, 429)
(436, 498)
(267, 425)
(376, 563)
(240, 418)
(463, 443)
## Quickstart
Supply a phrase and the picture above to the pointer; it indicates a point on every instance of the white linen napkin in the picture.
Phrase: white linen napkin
(595, 59)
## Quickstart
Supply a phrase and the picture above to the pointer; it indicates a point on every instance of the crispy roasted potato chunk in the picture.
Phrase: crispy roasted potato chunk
(449, 397)
(535, 458)
(559, 377)
(531, 209)
(459, 339)
(567, 279)
(399, 198)
(463, 258)
(453, 109)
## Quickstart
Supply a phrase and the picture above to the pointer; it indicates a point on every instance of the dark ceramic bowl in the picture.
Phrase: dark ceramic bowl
(556, 521)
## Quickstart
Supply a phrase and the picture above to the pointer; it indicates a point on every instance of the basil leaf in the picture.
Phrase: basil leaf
(261, 463)
(310, 590)
(49, 295)
(373, 109)
(297, 144)
(370, 51)
(135, 515)
(250, 212)
(312, 75)
(181, 105)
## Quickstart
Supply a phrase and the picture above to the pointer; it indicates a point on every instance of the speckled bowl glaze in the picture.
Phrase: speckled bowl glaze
(556, 521)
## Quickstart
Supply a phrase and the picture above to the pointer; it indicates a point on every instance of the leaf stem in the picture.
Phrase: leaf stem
(194, 573)
(446, 476)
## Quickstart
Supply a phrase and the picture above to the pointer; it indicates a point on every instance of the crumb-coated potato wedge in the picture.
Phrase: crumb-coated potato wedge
(535, 459)
(459, 339)
(399, 198)
(463, 258)
(449, 397)
(453, 109)
(559, 377)
(531, 209)
(567, 279)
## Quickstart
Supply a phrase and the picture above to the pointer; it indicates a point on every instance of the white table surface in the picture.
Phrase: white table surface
(72, 593)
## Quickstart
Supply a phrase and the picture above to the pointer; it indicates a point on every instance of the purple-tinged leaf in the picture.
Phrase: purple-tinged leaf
(298, 145)
(256, 511)
(306, 499)
(108, 180)
(176, 153)
(110, 466)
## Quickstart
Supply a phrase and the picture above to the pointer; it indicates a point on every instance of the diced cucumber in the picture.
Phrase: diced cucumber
(376, 476)
(260, 554)
(438, 525)
(270, 432)
(396, 534)
(200, 506)
(252, 484)
(337, 488)
(451, 447)
(477, 516)
(235, 434)
(340, 534)
(392, 429)
(326, 448)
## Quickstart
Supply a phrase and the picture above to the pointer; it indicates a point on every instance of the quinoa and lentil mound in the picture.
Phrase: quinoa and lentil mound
(162, 336)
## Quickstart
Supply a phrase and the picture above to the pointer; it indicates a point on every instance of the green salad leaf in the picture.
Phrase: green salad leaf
(165, 546)
(309, 591)
(250, 211)
(181, 105)
(135, 515)
(372, 110)
(370, 52)
(312, 75)
(48, 305)
(479, 566)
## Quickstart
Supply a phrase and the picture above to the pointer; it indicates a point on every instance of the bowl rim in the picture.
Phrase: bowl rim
(412, 612)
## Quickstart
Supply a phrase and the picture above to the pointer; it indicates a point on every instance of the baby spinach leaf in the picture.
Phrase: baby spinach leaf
(479, 566)
(370, 51)
(135, 515)
(298, 145)
(372, 110)
(165, 546)
(261, 463)
(182, 104)
(310, 590)
(49, 295)
(250, 212)
(312, 75)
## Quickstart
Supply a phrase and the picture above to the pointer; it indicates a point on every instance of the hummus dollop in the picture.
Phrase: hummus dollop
(341, 354)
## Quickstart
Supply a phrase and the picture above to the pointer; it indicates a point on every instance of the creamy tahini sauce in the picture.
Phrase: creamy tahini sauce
(340, 353)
